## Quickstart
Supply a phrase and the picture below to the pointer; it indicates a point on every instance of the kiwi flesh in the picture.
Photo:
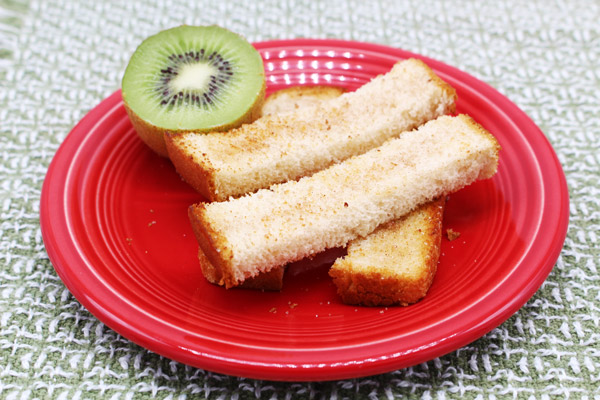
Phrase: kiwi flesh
(192, 78)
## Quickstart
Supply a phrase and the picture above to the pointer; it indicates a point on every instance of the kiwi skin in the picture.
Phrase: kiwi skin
(154, 136)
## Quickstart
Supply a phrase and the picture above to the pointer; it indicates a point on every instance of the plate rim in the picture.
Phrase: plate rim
(259, 370)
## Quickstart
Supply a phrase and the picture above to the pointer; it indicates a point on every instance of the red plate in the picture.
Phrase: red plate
(114, 223)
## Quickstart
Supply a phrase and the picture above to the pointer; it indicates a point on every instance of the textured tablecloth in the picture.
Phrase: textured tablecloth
(58, 59)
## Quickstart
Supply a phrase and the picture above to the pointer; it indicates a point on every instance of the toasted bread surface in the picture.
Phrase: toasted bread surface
(255, 233)
(277, 148)
(395, 264)
(282, 101)
(295, 97)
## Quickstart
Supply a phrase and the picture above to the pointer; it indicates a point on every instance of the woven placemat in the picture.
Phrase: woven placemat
(58, 59)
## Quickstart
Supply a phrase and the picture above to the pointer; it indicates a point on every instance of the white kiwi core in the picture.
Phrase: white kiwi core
(193, 77)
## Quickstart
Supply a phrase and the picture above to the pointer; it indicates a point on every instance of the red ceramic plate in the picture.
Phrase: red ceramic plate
(114, 223)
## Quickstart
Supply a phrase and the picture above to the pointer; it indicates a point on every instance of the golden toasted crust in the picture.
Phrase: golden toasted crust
(268, 281)
(199, 175)
(295, 97)
(271, 280)
(213, 245)
(372, 284)
(212, 274)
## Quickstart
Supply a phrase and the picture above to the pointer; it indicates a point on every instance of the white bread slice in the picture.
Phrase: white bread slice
(282, 101)
(396, 263)
(295, 97)
(278, 148)
(393, 265)
(255, 233)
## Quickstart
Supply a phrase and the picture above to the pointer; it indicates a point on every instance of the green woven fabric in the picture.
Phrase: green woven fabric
(59, 58)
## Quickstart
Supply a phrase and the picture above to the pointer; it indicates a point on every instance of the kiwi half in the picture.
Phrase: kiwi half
(192, 78)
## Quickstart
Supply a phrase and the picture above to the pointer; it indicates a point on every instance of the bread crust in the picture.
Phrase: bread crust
(267, 281)
(214, 246)
(375, 286)
(214, 255)
(199, 175)
(295, 97)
